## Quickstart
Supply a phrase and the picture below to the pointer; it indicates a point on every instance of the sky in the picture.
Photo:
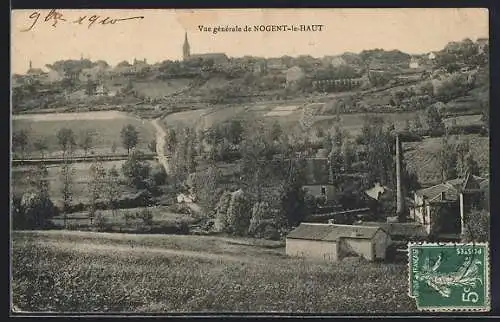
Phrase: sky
(160, 34)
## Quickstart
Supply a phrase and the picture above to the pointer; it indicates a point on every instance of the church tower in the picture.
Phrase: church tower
(185, 48)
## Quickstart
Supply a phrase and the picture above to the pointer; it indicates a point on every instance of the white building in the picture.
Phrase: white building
(414, 63)
(331, 242)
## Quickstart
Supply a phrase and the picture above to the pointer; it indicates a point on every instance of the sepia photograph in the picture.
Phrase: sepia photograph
(284, 161)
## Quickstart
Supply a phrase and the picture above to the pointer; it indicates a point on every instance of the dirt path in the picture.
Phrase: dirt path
(160, 145)
(160, 151)
(85, 247)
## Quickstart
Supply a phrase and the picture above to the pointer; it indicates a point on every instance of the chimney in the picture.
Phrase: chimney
(399, 189)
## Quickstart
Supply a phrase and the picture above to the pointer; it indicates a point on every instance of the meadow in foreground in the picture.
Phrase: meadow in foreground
(98, 273)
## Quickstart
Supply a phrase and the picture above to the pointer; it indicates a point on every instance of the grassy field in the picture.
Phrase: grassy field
(20, 183)
(162, 216)
(159, 89)
(89, 272)
(105, 125)
(353, 123)
(185, 119)
(422, 157)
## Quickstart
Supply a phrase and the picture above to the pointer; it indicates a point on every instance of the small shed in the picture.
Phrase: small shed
(332, 242)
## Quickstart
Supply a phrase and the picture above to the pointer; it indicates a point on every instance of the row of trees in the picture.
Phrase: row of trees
(68, 141)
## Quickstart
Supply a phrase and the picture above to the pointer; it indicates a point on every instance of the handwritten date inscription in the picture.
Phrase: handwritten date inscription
(54, 17)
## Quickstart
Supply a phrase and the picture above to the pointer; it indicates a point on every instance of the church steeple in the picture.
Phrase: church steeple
(185, 48)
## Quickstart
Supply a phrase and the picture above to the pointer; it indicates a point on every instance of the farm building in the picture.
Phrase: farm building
(441, 208)
(332, 242)
(400, 231)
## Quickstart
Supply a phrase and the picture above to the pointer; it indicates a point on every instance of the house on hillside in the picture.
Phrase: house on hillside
(337, 61)
(414, 63)
(431, 56)
(441, 208)
(482, 44)
(330, 242)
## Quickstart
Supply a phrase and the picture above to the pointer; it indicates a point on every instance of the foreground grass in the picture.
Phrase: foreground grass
(53, 277)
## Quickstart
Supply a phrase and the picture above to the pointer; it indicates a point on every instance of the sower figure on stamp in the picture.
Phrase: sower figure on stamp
(466, 276)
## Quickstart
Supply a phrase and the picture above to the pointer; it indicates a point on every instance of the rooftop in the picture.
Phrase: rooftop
(399, 229)
(454, 186)
(332, 232)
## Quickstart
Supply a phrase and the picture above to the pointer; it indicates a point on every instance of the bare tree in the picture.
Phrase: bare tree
(95, 185)
(112, 189)
(67, 175)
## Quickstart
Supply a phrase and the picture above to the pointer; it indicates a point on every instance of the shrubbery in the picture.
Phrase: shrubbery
(32, 211)
(477, 226)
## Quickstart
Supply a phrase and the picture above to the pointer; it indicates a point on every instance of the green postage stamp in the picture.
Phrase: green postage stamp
(449, 276)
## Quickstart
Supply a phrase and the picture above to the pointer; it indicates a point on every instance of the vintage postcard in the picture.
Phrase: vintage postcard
(279, 161)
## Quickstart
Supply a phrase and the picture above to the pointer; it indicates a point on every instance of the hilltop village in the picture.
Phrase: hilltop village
(339, 156)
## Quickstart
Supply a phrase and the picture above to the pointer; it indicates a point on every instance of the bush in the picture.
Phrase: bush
(158, 175)
(477, 226)
(32, 211)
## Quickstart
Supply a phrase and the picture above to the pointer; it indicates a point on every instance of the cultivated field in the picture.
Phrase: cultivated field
(95, 272)
(105, 125)
(353, 123)
(422, 157)
(184, 119)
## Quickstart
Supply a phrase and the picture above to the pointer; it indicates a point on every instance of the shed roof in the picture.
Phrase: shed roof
(375, 190)
(453, 185)
(434, 191)
(399, 229)
(332, 232)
